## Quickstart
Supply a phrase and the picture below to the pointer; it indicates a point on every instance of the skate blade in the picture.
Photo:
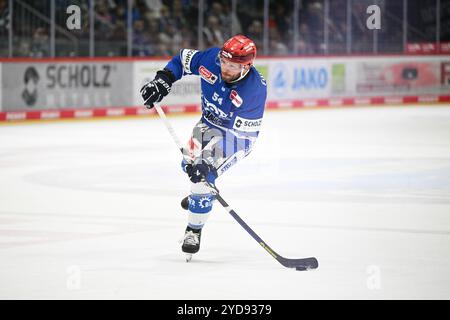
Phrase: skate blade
(188, 257)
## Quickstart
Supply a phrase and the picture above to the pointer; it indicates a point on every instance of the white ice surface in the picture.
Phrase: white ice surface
(90, 209)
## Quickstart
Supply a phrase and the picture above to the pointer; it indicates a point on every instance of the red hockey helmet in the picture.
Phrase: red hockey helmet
(239, 49)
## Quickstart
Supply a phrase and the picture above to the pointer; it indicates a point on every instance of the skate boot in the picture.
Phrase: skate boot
(191, 242)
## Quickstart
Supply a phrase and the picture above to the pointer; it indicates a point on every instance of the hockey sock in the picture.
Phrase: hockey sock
(200, 205)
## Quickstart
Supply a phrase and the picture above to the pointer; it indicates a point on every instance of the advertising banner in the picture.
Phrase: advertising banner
(295, 79)
(1, 87)
(184, 91)
(62, 85)
(66, 85)
(445, 75)
(401, 77)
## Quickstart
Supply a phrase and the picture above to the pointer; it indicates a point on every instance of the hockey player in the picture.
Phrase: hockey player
(233, 100)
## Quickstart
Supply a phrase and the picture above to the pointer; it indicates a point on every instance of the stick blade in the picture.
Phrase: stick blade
(303, 264)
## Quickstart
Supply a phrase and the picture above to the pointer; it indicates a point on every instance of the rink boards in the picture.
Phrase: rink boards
(108, 87)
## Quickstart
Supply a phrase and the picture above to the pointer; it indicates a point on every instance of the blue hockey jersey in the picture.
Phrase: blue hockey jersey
(236, 107)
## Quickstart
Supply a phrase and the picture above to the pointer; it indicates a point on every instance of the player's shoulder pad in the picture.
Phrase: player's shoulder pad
(191, 57)
(186, 56)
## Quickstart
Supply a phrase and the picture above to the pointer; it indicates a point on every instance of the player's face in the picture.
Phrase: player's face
(230, 70)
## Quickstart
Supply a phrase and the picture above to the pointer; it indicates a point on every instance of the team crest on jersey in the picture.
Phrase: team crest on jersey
(236, 98)
(207, 75)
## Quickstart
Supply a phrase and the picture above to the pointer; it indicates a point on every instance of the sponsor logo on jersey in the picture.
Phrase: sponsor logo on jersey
(186, 59)
(229, 164)
(247, 125)
(207, 75)
(211, 107)
(211, 118)
(236, 98)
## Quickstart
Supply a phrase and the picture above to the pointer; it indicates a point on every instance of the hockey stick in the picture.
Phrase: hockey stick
(298, 264)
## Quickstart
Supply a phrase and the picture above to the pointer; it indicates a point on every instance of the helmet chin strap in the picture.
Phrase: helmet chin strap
(243, 74)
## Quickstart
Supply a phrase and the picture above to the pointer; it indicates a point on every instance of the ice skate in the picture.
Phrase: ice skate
(191, 242)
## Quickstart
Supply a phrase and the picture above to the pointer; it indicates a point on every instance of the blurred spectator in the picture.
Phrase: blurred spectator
(212, 32)
(283, 22)
(361, 36)
(337, 26)
(4, 16)
(119, 32)
(233, 23)
(103, 20)
(445, 21)
(178, 16)
(4, 28)
(175, 39)
(154, 6)
(137, 10)
(119, 13)
(141, 40)
(164, 45)
(165, 26)
(255, 32)
(314, 19)
(165, 19)
(303, 45)
(276, 46)
(217, 10)
(23, 50)
(40, 44)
